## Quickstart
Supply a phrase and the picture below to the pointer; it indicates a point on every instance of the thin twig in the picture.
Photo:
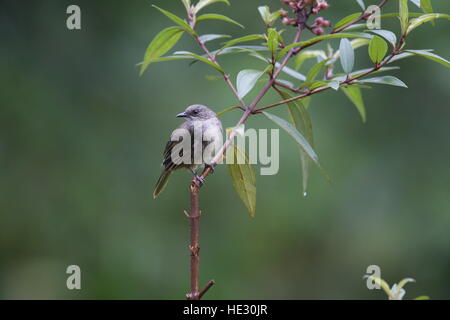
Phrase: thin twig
(226, 76)
(363, 16)
(206, 288)
(349, 80)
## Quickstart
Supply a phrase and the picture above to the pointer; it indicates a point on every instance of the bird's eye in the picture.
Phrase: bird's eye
(195, 111)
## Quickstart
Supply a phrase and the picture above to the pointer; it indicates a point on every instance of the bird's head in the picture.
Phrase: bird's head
(197, 112)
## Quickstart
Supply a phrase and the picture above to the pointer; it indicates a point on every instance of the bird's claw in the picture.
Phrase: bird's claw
(200, 180)
(210, 166)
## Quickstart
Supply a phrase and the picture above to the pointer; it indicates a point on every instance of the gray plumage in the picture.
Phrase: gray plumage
(198, 117)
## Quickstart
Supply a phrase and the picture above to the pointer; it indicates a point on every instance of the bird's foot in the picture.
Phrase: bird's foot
(199, 181)
(210, 166)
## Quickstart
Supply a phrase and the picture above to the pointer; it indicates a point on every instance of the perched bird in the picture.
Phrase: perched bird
(201, 135)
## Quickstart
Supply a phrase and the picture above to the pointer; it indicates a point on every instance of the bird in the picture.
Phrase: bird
(203, 131)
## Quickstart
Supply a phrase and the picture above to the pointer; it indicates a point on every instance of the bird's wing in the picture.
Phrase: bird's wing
(169, 161)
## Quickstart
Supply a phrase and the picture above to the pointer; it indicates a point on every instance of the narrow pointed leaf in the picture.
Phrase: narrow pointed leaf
(264, 11)
(347, 55)
(426, 18)
(301, 120)
(377, 49)
(294, 133)
(163, 42)
(200, 58)
(250, 37)
(404, 15)
(431, 56)
(214, 16)
(308, 54)
(314, 40)
(426, 6)
(177, 20)
(314, 71)
(389, 80)
(246, 80)
(402, 283)
(346, 20)
(244, 179)
(272, 40)
(203, 3)
(355, 96)
(210, 37)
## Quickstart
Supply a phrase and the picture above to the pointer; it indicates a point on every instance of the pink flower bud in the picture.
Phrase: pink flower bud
(318, 31)
(323, 5)
(326, 23)
(319, 21)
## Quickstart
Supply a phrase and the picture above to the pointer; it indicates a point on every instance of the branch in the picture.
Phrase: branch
(347, 81)
(363, 16)
(213, 59)
(250, 109)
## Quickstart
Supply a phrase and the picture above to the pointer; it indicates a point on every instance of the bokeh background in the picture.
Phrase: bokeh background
(81, 137)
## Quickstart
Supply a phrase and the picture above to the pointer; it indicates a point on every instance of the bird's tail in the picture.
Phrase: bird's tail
(161, 184)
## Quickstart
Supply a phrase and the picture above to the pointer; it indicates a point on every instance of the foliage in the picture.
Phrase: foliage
(384, 48)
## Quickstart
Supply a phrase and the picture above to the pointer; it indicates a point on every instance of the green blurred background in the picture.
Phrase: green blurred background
(81, 137)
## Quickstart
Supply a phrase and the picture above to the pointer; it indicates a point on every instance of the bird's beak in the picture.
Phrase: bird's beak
(182, 115)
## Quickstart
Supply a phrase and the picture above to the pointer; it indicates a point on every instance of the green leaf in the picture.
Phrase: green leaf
(250, 37)
(347, 55)
(377, 49)
(318, 84)
(355, 96)
(203, 3)
(199, 58)
(389, 80)
(314, 40)
(252, 50)
(403, 15)
(346, 20)
(264, 11)
(177, 20)
(163, 42)
(402, 283)
(244, 179)
(426, 6)
(308, 54)
(298, 137)
(167, 58)
(431, 56)
(386, 34)
(210, 37)
(246, 80)
(426, 18)
(314, 71)
(301, 120)
(272, 40)
(214, 16)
